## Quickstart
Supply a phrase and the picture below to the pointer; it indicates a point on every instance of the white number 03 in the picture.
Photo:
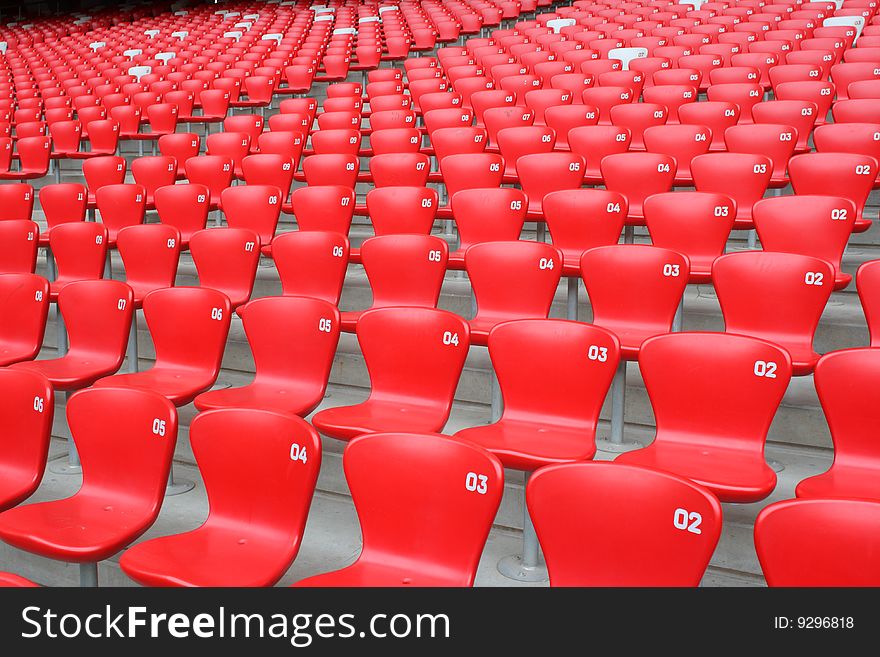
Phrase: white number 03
(476, 483)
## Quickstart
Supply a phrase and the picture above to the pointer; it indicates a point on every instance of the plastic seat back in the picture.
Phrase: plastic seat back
(471, 171)
(279, 471)
(488, 215)
(400, 169)
(634, 290)
(543, 173)
(580, 219)
(323, 207)
(696, 224)
(399, 210)
(545, 379)
(27, 406)
(269, 169)
(80, 251)
(19, 240)
(846, 175)
(513, 279)
(24, 308)
(184, 208)
(212, 171)
(818, 226)
(855, 138)
(150, 255)
(436, 340)
(331, 169)
(115, 425)
(16, 201)
(254, 207)
(637, 176)
(743, 177)
(97, 315)
(300, 356)
(727, 395)
(868, 283)
(773, 140)
(311, 263)
(62, 203)
(779, 297)
(188, 326)
(439, 528)
(226, 259)
(819, 543)
(153, 172)
(674, 519)
(121, 206)
(405, 270)
(683, 142)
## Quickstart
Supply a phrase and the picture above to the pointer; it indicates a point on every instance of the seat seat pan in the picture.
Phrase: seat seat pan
(202, 557)
(285, 397)
(361, 574)
(347, 422)
(531, 445)
(842, 481)
(79, 529)
(16, 485)
(179, 386)
(8, 580)
(732, 475)
(72, 371)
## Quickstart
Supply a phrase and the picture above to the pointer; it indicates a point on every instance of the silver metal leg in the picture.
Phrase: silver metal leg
(61, 344)
(525, 567)
(541, 232)
(629, 234)
(177, 487)
(572, 313)
(615, 442)
(133, 344)
(679, 314)
(753, 239)
(108, 267)
(57, 166)
(88, 575)
(51, 270)
(218, 218)
(69, 465)
(496, 398)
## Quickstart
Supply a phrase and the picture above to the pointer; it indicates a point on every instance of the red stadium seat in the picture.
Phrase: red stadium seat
(97, 316)
(311, 263)
(403, 397)
(637, 117)
(100, 171)
(846, 175)
(868, 285)
(27, 410)
(16, 201)
(331, 169)
(184, 208)
(226, 260)
(741, 176)
(637, 176)
(254, 528)
(817, 226)
(150, 255)
(62, 203)
(432, 536)
(594, 142)
(400, 169)
(80, 251)
(19, 240)
(120, 206)
(713, 416)
(552, 394)
(212, 171)
(778, 297)
(511, 280)
(682, 142)
(188, 327)
(773, 140)
(114, 505)
(24, 302)
(254, 207)
(153, 173)
(570, 504)
(843, 379)
(403, 270)
(9, 580)
(543, 173)
(695, 224)
(819, 543)
(323, 207)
